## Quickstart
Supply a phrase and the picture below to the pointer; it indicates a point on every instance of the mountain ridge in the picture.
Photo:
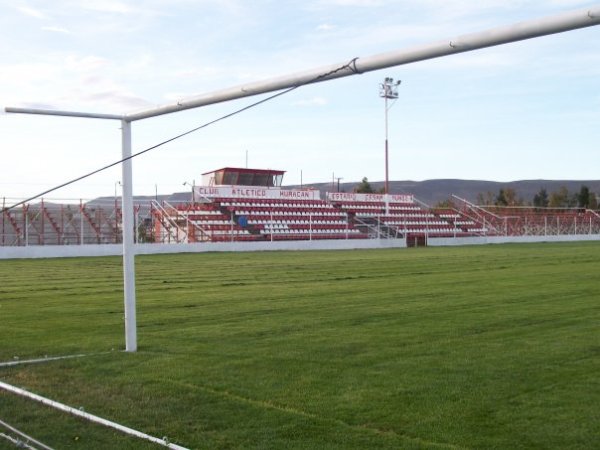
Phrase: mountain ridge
(429, 192)
(439, 189)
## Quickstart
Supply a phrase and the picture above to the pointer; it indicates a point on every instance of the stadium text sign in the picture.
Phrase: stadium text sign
(353, 197)
(255, 192)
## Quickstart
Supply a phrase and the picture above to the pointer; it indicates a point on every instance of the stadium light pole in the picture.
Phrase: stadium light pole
(389, 91)
(192, 185)
(572, 20)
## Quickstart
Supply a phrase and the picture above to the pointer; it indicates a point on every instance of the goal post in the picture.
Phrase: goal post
(497, 36)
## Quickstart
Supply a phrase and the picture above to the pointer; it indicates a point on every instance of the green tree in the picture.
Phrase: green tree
(508, 197)
(512, 198)
(485, 198)
(449, 203)
(593, 201)
(540, 200)
(501, 199)
(583, 198)
(364, 187)
(560, 198)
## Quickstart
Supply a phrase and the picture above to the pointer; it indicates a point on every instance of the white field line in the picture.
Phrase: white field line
(16, 442)
(28, 439)
(92, 418)
(38, 360)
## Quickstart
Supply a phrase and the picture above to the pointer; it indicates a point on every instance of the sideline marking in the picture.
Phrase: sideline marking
(20, 443)
(16, 362)
(87, 416)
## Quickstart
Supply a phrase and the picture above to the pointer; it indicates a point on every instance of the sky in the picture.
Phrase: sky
(527, 110)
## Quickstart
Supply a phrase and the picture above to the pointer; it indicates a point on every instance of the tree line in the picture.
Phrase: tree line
(364, 187)
(561, 198)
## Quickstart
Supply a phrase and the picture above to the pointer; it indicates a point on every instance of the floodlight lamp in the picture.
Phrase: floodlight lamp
(388, 89)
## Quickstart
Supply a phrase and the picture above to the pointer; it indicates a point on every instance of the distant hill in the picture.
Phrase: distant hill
(434, 191)
(427, 191)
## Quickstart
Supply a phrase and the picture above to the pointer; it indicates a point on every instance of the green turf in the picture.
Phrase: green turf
(470, 347)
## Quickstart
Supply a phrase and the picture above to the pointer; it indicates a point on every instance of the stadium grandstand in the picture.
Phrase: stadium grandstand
(236, 205)
(250, 205)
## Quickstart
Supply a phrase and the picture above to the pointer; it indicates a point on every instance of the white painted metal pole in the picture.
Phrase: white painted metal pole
(572, 20)
(128, 245)
(496, 36)
(56, 112)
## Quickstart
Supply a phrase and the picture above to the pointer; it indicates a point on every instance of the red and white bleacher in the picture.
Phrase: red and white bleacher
(277, 219)
(464, 225)
(242, 213)
(400, 214)
(249, 204)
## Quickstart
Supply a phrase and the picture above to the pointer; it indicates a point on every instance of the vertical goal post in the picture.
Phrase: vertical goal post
(568, 21)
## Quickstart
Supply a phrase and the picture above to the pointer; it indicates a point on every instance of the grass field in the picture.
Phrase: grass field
(470, 347)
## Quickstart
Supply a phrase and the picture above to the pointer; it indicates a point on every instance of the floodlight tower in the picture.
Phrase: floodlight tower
(389, 91)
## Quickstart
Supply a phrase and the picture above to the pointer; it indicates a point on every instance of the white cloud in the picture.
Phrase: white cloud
(569, 3)
(176, 96)
(362, 3)
(117, 100)
(36, 105)
(12, 73)
(314, 101)
(32, 12)
(87, 63)
(25, 76)
(108, 6)
(56, 30)
(325, 27)
(100, 90)
(209, 71)
(73, 81)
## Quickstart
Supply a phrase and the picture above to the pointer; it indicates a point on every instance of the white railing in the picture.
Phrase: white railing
(167, 218)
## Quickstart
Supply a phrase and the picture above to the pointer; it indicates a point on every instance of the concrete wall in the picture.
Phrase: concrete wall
(60, 251)
(66, 251)
(483, 240)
